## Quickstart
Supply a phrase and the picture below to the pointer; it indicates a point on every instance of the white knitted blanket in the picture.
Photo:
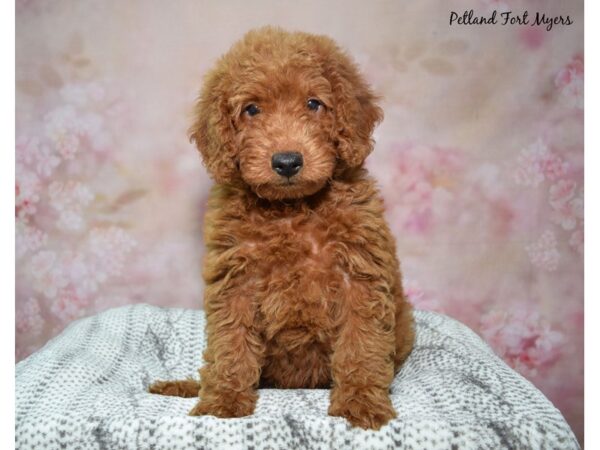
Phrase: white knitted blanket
(86, 389)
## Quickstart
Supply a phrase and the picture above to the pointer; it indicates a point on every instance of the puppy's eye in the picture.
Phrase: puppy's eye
(251, 109)
(313, 104)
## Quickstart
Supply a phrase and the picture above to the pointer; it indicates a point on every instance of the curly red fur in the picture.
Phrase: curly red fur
(303, 287)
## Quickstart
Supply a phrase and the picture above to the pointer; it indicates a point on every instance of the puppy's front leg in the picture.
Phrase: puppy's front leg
(363, 359)
(234, 353)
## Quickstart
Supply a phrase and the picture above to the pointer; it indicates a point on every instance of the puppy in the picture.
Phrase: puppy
(303, 287)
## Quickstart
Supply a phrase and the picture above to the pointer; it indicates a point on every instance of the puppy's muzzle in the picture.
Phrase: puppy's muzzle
(287, 164)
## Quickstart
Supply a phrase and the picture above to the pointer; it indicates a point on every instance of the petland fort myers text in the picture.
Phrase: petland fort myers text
(509, 18)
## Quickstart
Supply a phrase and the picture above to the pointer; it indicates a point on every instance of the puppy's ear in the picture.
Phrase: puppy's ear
(356, 110)
(212, 130)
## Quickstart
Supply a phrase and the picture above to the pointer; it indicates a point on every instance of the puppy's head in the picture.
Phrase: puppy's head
(283, 112)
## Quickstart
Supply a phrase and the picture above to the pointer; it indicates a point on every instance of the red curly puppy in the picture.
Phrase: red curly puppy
(303, 287)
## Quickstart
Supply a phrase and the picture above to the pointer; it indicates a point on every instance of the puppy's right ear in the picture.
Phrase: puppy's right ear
(212, 130)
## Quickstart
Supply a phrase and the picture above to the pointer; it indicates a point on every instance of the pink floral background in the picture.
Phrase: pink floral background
(480, 160)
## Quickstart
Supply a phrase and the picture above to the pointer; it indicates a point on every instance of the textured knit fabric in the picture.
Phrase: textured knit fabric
(86, 389)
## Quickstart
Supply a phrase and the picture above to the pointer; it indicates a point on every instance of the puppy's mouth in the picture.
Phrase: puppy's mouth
(287, 182)
(288, 188)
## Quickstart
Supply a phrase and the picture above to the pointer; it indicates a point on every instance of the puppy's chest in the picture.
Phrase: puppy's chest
(297, 274)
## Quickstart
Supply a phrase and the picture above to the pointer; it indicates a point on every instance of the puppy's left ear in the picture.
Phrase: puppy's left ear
(356, 110)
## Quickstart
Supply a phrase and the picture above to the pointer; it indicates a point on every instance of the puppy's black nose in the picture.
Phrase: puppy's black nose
(287, 164)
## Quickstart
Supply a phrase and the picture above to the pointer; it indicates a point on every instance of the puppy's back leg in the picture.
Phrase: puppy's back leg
(177, 388)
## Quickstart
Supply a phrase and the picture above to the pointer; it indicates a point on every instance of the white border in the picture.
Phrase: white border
(7, 259)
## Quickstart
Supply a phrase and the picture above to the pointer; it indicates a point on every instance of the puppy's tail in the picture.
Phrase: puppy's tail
(177, 388)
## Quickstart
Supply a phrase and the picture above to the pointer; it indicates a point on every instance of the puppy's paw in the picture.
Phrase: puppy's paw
(225, 404)
(368, 408)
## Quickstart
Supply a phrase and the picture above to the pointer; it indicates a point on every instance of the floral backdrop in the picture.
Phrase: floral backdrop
(480, 160)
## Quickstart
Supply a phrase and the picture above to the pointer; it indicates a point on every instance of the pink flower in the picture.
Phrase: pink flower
(530, 171)
(565, 216)
(576, 240)
(536, 163)
(543, 253)
(35, 155)
(573, 71)
(25, 208)
(28, 239)
(28, 317)
(522, 339)
(566, 210)
(84, 277)
(561, 192)
(577, 206)
(69, 199)
(68, 306)
(420, 174)
(569, 81)
(27, 189)
(108, 249)
(48, 275)
(554, 167)
(61, 128)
